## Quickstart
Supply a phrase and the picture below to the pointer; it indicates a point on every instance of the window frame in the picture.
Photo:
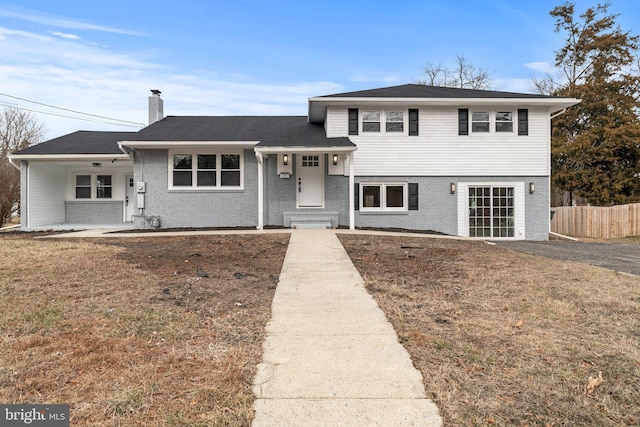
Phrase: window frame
(383, 196)
(493, 121)
(384, 121)
(194, 153)
(93, 186)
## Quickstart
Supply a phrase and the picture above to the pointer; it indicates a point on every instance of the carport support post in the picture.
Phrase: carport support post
(259, 158)
(352, 214)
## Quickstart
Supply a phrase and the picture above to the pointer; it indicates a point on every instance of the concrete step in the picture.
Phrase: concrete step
(310, 224)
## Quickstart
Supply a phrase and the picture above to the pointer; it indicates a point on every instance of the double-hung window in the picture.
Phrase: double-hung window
(504, 121)
(103, 187)
(83, 186)
(393, 120)
(383, 196)
(492, 121)
(371, 121)
(93, 186)
(480, 121)
(205, 170)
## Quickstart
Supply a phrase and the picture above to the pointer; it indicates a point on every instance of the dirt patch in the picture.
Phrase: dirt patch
(144, 331)
(509, 339)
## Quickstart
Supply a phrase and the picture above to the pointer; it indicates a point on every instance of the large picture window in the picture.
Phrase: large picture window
(383, 196)
(205, 170)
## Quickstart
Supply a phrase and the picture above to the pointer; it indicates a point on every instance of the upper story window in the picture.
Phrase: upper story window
(371, 121)
(504, 121)
(393, 121)
(498, 121)
(205, 170)
(491, 121)
(480, 121)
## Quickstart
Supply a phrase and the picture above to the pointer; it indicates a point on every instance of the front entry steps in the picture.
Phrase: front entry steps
(311, 219)
(311, 225)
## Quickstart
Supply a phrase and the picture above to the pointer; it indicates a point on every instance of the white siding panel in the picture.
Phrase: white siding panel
(440, 151)
(46, 194)
(337, 122)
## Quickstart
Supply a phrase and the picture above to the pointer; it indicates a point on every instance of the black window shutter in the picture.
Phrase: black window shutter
(523, 121)
(353, 121)
(413, 122)
(463, 121)
(356, 196)
(413, 196)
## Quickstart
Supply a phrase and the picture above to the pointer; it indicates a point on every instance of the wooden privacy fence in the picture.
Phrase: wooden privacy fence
(596, 222)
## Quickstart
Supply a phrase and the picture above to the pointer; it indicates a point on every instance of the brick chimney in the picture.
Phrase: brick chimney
(155, 106)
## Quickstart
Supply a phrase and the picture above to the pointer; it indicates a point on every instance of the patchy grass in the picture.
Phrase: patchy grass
(509, 339)
(128, 333)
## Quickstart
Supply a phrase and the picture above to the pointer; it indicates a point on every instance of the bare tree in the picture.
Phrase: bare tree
(462, 75)
(18, 130)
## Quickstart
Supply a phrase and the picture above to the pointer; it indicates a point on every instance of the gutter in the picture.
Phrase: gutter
(121, 148)
(559, 113)
(13, 163)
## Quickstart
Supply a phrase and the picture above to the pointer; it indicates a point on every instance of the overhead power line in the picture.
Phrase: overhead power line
(95, 116)
(20, 107)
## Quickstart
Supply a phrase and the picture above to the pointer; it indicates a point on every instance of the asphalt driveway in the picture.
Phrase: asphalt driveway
(613, 256)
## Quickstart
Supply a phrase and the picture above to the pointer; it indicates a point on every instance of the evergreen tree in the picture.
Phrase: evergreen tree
(596, 144)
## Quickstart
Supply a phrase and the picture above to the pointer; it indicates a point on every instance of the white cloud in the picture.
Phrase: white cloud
(541, 67)
(515, 85)
(59, 21)
(65, 35)
(93, 79)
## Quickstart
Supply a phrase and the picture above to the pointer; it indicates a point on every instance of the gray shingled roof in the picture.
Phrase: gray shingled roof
(278, 131)
(424, 91)
(81, 142)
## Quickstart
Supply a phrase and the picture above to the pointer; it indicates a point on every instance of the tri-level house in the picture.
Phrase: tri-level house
(461, 162)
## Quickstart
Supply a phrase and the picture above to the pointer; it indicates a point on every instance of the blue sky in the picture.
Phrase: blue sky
(252, 57)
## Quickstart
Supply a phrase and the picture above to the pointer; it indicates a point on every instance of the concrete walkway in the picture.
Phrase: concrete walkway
(331, 358)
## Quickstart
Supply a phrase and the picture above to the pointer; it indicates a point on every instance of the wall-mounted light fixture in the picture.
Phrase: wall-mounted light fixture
(335, 160)
(285, 159)
(532, 187)
(452, 188)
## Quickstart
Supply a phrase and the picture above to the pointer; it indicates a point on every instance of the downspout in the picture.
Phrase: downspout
(352, 215)
(24, 213)
(259, 158)
(559, 113)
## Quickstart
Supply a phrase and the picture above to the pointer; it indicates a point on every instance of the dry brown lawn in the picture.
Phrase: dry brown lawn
(509, 339)
(128, 333)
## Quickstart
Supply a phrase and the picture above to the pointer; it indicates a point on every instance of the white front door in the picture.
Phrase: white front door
(310, 175)
(129, 199)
